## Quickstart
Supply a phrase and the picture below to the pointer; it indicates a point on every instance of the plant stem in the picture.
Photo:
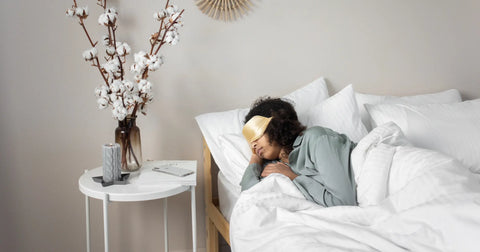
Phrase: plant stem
(101, 72)
(115, 46)
(162, 41)
(93, 45)
(86, 32)
(159, 30)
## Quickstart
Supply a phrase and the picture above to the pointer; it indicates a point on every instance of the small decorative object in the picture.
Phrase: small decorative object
(226, 10)
(126, 97)
(111, 162)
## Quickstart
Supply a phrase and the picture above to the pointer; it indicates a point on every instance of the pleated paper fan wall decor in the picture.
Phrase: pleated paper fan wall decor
(226, 10)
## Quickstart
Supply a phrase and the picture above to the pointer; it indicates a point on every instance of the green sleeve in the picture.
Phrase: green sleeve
(251, 176)
(334, 183)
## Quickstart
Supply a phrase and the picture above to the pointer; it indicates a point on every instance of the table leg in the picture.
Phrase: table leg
(105, 221)
(87, 218)
(194, 219)
(165, 222)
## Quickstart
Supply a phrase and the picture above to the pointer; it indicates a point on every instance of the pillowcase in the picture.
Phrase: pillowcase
(448, 96)
(304, 98)
(236, 149)
(339, 113)
(214, 125)
(453, 129)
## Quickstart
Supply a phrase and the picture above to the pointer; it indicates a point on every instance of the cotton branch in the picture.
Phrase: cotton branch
(162, 41)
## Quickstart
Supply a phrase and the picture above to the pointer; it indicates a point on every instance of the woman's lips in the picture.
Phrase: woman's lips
(259, 151)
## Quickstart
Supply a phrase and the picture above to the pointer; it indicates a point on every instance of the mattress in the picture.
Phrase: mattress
(228, 194)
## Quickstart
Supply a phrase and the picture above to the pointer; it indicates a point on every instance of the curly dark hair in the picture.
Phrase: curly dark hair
(284, 126)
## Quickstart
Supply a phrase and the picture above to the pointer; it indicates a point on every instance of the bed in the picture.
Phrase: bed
(416, 167)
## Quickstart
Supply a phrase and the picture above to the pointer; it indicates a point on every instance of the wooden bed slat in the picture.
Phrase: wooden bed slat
(215, 221)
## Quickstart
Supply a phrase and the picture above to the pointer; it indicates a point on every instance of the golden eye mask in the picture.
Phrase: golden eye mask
(255, 128)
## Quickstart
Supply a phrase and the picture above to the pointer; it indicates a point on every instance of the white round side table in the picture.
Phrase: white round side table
(144, 184)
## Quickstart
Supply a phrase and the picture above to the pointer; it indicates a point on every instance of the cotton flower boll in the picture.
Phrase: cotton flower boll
(113, 97)
(149, 96)
(154, 62)
(90, 54)
(144, 86)
(105, 40)
(129, 101)
(70, 12)
(109, 18)
(112, 11)
(105, 91)
(137, 98)
(155, 65)
(102, 91)
(118, 104)
(159, 15)
(141, 58)
(128, 85)
(117, 74)
(98, 91)
(110, 50)
(102, 103)
(147, 88)
(137, 70)
(81, 12)
(112, 66)
(117, 86)
(103, 19)
(119, 111)
(141, 85)
(123, 49)
(170, 10)
(172, 37)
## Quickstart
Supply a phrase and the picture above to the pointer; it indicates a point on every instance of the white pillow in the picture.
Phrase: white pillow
(339, 113)
(236, 149)
(453, 129)
(214, 125)
(448, 96)
(306, 97)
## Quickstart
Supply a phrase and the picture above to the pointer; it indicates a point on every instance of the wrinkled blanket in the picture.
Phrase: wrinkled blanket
(410, 199)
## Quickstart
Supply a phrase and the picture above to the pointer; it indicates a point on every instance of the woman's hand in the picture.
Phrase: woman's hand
(256, 159)
(279, 168)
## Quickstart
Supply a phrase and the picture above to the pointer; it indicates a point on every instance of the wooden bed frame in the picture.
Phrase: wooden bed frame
(215, 221)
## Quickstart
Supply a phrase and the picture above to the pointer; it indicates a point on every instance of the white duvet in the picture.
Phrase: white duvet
(410, 199)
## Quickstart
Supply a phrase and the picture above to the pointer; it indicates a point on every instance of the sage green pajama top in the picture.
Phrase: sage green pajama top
(321, 159)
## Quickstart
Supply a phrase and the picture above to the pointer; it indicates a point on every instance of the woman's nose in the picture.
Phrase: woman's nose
(254, 144)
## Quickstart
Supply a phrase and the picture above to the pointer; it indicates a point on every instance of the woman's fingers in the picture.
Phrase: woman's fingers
(278, 168)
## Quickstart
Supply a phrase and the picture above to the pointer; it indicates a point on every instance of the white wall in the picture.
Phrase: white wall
(51, 130)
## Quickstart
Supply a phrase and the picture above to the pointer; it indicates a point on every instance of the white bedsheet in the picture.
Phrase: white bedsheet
(430, 203)
(228, 194)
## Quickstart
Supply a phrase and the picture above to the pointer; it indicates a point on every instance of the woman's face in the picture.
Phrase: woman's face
(266, 150)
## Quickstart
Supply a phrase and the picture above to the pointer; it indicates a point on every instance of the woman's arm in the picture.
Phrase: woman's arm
(251, 176)
(334, 184)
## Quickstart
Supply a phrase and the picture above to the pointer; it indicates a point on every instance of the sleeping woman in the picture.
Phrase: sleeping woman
(317, 159)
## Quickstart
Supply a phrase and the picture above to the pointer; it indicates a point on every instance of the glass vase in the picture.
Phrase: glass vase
(127, 134)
